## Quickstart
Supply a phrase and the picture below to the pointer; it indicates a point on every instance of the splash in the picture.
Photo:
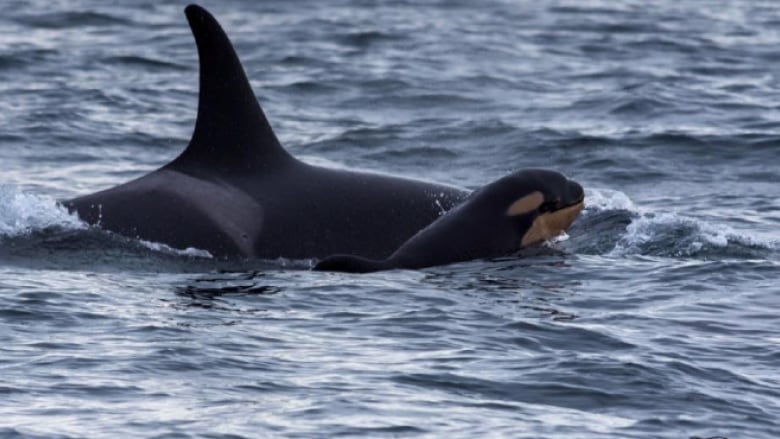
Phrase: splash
(671, 234)
(23, 213)
(608, 199)
(189, 251)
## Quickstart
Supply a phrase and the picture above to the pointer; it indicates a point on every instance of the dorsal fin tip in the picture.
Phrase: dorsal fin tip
(231, 129)
(193, 9)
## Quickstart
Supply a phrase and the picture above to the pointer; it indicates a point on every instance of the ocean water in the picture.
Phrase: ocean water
(655, 317)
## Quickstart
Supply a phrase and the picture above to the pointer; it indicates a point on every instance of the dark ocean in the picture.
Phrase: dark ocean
(656, 317)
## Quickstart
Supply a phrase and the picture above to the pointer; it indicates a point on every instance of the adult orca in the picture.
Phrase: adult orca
(516, 211)
(235, 191)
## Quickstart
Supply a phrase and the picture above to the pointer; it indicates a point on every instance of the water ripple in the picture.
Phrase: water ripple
(654, 317)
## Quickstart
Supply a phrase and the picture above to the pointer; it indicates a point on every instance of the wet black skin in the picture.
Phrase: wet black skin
(235, 191)
(478, 228)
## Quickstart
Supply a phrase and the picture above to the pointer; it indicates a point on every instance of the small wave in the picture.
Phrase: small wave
(142, 62)
(639, 106)
(607, 199)
(671, 234)
(415, 153)
(22, 57)
(311, 86)
(364, 39)
(64, 20)
(23, 213)
(665, 234)
(189, 251)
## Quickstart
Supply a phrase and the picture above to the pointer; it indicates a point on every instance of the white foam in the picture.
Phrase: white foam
(652, 227)
(22, 213)
(579, 419)
(322, 162)
(563, 236)
(189, 251)
(690, 234)
(608, 199)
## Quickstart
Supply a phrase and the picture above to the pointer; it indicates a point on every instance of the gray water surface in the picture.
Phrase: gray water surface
(655, 318)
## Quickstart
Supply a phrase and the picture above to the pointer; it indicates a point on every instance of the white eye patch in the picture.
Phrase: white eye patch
(525, 204)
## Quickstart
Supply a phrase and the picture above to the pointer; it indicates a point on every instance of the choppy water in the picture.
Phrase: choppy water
(656, 318)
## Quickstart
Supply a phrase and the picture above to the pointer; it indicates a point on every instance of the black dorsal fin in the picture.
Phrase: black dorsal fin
(231, 132)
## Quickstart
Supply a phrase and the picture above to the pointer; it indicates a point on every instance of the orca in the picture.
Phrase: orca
(236, 192)
(519, 210)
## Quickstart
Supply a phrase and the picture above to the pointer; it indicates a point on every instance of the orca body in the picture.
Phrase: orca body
(519, 210)
(235, 191)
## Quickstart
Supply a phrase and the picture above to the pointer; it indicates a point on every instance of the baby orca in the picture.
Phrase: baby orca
(519, 210)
